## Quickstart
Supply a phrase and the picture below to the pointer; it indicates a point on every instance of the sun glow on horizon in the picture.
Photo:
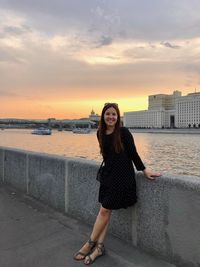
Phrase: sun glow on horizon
(64, 109)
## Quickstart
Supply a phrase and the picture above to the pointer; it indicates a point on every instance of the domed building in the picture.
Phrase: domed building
(94, 117)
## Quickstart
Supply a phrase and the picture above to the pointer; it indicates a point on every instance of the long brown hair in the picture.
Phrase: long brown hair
(117, 142)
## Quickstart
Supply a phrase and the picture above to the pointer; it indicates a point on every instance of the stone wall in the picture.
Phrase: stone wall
(165, 222)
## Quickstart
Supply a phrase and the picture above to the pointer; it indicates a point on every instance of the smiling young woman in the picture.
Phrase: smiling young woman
(117, 184)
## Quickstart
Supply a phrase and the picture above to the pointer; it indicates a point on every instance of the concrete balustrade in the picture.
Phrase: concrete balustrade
(165, 221)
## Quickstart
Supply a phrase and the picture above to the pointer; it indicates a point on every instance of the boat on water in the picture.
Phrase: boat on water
(81, 130)
(42, 131)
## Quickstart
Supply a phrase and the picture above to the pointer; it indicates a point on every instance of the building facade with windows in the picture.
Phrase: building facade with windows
(144, 119)
(167, 102)
(167, 111)
(188, 111)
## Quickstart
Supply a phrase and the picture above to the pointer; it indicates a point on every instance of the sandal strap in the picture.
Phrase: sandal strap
(81, 253)
(91, 242)
(100, 247)
(90, 260)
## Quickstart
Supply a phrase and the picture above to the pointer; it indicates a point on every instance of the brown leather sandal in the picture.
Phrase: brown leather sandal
(101, 250)
(92, 244)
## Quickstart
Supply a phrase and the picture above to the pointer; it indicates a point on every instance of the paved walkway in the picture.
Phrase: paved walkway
(34, 235)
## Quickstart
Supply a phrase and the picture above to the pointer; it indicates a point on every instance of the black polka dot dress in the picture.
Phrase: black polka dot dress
(118, 187)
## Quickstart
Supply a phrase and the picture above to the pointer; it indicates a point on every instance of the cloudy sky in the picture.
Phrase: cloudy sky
(61, 58)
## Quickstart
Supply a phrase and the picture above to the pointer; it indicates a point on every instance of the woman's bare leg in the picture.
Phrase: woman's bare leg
(100, 225)
(103, 233)
(98, 250)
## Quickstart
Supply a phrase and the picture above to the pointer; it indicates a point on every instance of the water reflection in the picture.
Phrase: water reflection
(174, 153)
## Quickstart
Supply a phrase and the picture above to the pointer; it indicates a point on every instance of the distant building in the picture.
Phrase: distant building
(167, 111)
(167, 102)
(144, 119)
(94, 117)
(188, 111)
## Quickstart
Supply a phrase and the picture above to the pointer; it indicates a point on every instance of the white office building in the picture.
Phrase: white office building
(160, 113)
(188, 111)
(145, 118)
(167, 102)
(167, 111)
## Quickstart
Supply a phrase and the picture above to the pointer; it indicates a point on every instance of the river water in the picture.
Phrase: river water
(166, 153)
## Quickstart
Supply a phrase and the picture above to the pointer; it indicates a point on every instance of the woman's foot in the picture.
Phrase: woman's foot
(85, 250)
(97, 252)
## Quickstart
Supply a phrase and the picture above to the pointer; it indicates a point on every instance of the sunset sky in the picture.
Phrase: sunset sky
(61, 58)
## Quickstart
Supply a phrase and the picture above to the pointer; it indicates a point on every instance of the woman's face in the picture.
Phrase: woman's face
(110, 117)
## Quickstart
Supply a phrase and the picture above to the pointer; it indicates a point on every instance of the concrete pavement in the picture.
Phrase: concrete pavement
(34, 235)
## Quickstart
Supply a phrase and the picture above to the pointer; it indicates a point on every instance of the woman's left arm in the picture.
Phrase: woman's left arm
(132, 152)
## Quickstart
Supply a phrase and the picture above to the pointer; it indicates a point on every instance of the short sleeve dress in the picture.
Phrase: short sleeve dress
(118, 187)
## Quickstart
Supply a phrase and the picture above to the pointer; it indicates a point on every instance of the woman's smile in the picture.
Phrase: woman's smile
(110, 116)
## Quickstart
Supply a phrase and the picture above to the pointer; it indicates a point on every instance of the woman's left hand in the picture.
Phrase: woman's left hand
(150, 174)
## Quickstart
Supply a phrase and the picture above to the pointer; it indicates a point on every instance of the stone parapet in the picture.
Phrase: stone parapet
(165, 221)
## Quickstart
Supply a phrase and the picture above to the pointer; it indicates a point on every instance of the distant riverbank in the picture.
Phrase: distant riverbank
(168, 131)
